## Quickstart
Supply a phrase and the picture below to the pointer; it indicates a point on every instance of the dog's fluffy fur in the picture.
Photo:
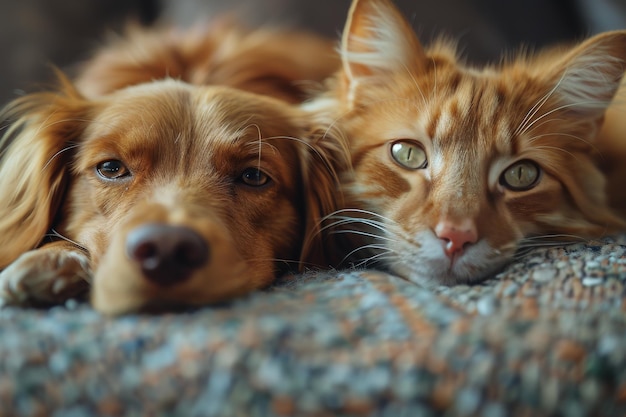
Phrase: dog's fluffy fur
(237, 182)
(281, 63)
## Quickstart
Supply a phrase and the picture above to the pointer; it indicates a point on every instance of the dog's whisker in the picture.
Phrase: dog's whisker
(65, 149)
(58, 235)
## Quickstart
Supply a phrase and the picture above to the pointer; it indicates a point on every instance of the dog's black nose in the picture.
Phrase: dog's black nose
(166, 254)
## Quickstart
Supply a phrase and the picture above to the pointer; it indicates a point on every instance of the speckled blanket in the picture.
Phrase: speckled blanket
(546, 337)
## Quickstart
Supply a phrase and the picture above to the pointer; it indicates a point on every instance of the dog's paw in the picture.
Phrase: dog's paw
(45, 276)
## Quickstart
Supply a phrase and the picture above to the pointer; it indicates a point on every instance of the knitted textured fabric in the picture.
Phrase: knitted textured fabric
(546, 337)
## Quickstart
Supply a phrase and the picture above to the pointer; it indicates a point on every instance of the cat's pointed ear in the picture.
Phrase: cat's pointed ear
(376, 41)
(590, 75)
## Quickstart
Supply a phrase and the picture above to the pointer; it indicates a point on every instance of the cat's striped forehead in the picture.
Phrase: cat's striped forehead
(471, 111)
(459, 115)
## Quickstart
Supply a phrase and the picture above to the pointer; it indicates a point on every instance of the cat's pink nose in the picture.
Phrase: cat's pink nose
(456, 236)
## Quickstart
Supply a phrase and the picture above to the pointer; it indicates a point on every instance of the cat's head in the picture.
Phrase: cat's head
(460, 167)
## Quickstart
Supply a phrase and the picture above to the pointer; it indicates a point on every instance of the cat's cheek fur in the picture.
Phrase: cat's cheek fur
(383, 185)
(527, 207)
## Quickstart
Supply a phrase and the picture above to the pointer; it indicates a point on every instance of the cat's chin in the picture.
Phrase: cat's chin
(428, 266)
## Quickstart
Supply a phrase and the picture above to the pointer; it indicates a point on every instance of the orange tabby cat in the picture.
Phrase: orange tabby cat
(456, 168)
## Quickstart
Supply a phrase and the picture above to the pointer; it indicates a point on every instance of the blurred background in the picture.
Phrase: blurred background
(37, 33)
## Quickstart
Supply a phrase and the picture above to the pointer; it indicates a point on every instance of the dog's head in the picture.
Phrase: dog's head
(180, 194)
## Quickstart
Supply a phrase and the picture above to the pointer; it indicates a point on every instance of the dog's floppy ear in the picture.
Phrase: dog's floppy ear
(41, 129)
(326, 159)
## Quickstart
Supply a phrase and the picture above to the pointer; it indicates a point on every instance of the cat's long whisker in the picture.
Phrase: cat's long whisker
(537, 137)
(559, 108)
(388, 233)
(322, 224)
(339, 221)
(324, 113)
(350, 220)
(535, 245)
(374, 223)
(543, 244)
(343, 223)
(527, 245)
(533, 110)
(544, 122)
(363, 211)
(328, 165)
(554, 235)
(417, 87)
(376, 246)
(360, 233)
(362, 248)
(525, 251)
(376, 258)
(556, 148)
(550, 240)
(351, 253)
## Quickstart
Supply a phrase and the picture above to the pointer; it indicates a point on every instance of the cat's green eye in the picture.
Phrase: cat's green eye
(409, 154)
(521, 176)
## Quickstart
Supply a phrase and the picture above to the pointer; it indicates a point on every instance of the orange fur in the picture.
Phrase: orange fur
(611, 144)
(281, 63)
(187, 150)
(457, 168)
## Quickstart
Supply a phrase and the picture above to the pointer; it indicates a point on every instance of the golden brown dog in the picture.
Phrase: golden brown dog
(161, 190)
(165, 193)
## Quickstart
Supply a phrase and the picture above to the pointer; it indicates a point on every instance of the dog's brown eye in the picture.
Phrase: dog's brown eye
(254, 177)
(112, 170)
